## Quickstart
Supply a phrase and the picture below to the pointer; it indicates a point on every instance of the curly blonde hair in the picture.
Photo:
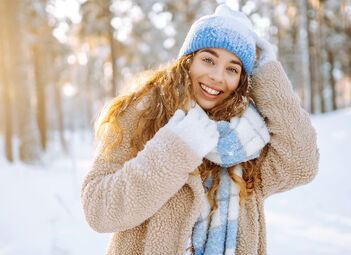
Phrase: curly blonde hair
(170, 89)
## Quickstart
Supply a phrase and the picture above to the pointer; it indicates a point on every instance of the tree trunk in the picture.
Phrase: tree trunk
(58, 106)
(40, 95)
(6, 97)
(332, 80)
(88, 93)
(114, 89)
(312, 60)
(7, 108)
(18, 62)
(303, 45)
(55, 80)
(348, 50)
(320, 76)
(113, 51)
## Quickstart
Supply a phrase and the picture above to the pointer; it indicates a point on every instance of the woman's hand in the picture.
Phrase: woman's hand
(196, 129)
(266, 53)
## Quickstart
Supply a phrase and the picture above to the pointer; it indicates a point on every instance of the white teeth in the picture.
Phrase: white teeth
(209, 90)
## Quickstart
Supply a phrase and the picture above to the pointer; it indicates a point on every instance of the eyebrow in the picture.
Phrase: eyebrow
(216, 55)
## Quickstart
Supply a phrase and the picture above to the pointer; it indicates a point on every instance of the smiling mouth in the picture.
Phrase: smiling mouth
(209, 90)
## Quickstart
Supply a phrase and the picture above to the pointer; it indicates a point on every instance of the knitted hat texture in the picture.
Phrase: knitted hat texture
(226, 29)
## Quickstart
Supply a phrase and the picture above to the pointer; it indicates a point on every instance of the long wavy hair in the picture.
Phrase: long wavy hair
(169, 89)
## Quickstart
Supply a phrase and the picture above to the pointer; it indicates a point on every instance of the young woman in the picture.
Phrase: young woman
(186, 161)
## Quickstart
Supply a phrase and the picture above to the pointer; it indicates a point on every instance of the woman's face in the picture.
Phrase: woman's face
(215, 74)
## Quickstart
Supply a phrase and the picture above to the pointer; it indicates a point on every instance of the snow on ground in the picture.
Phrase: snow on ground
(316, 218)
(40, 210)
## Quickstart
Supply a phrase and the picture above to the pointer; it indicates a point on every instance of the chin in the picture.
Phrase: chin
(206, 105)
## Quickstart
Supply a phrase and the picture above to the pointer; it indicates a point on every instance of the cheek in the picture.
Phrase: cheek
(192, 73)
(234, 84)
(196, 69)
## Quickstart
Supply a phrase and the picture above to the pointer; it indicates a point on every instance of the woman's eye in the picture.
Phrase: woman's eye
(207, 60)
(233, 70)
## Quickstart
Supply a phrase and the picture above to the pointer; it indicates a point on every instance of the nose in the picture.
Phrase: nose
(217, 75)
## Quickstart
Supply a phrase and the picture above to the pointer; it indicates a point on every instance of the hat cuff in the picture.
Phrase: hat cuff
(242, 50)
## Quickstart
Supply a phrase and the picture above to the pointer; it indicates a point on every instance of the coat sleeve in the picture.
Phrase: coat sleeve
(292, 156)
(122, 192)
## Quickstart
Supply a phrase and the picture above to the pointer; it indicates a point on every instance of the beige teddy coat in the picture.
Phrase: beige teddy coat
(150, 202)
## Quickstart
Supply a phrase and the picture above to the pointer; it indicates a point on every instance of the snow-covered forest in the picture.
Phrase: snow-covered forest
(61, 61)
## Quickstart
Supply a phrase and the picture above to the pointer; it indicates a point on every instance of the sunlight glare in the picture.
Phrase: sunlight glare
(69, 90)
(82, 58)
(71, 59)
(62, 9)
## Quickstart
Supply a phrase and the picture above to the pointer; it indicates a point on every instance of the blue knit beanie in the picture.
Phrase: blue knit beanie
(226, 29)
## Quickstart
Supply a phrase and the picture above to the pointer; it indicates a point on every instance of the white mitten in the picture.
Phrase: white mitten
(267, 53)
(196, 129)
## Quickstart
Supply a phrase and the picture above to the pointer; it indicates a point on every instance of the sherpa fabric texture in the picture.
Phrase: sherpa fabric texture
(240, 140)
(226, 29)
(150, 202)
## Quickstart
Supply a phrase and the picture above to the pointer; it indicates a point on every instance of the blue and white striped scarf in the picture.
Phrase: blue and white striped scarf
(217, 235)
(240, 140)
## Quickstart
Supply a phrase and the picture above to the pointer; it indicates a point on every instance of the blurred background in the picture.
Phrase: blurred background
(61, 61)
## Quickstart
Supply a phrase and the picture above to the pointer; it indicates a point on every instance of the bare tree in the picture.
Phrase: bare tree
(97, 18)
(6, 91)
(17, 66)
(303, 44)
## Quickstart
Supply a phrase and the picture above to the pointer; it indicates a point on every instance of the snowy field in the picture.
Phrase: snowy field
(40, 210)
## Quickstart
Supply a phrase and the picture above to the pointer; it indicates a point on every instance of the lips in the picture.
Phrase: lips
(209, 91)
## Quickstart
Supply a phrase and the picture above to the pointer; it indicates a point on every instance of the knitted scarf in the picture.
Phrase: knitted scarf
(240, 140)
(217, 235)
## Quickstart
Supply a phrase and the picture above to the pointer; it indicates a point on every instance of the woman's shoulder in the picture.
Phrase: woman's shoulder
(135, 107)
(122, 128)
(127, 117)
